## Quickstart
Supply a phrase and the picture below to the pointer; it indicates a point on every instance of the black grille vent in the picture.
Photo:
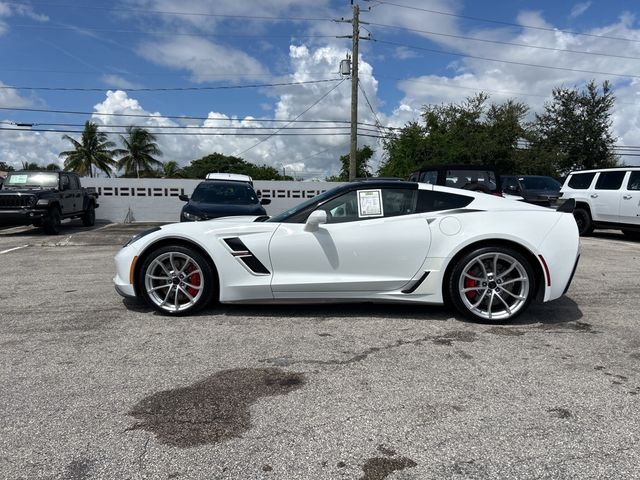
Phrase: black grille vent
(16, 201)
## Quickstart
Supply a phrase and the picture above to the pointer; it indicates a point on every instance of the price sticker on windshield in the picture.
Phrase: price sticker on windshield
(370, 203)
(17, 179)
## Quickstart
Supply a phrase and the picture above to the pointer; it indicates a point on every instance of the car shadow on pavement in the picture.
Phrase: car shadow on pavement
(558, 312)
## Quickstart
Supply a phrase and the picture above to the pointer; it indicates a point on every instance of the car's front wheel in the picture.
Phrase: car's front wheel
(52, 222)
(176, 280)
(492, 284)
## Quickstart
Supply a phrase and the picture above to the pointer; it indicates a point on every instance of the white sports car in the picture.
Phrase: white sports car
(371, 241)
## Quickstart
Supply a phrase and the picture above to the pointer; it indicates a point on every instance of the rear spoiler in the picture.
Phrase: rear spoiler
(567, 206)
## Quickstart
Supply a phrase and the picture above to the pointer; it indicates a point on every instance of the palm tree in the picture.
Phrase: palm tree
(137, 155)
(31, 166)
(53, 167)
(94, 152)
(171, 169)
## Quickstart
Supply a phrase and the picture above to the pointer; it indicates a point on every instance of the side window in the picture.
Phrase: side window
(398, 201)
(610, 180)
(342, 209)
(634, 181)
(430, 177)
(73, 181)
(64, 182)
(581, 181)
(429, 201)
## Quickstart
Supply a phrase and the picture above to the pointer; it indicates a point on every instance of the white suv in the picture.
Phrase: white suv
(607, 198)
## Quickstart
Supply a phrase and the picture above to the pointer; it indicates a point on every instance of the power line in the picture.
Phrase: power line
(510, 62)
(174, 117)
(375, 116)
(170, 12)
(170, 89)
(501, 42)
(500, 22)
(296, 118)
(204, 134)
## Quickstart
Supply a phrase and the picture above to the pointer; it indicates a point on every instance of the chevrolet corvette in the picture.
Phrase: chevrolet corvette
(368, 241)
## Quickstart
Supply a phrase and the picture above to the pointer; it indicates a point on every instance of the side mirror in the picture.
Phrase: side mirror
(184, 198)
(265, 201)
(317, 218)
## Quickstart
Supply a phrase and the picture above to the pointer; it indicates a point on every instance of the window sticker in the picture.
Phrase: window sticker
(370, 203)
(18, 179)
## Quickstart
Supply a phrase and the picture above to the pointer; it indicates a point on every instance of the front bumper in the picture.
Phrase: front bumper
(23, 216)
(124, 289)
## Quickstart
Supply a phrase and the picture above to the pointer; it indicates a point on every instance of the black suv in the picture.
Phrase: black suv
(467, 177)
(221, 198)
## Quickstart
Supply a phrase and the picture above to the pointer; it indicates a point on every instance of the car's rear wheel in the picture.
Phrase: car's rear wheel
(492, 284)
(583, 220)
(176, 280)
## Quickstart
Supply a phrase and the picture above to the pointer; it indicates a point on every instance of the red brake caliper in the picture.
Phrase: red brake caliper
(470, 283)
(193, 280)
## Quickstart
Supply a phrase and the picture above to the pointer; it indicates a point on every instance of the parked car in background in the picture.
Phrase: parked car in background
(476, 178)
(372, 241)
(44, 198)
(605, 198)
(536, 189)
(221, 198)
(234, 177)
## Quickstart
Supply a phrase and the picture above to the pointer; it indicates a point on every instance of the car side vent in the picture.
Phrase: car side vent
(240, 250)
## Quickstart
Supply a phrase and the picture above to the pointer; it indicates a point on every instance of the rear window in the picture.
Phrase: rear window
(610, 180)
(581, 181)
(469, 179)
(429, 201)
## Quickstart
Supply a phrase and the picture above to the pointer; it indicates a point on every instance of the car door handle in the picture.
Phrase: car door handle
(627, 197)
(594, 195)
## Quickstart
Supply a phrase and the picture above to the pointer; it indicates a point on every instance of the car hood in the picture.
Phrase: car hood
(24, 191)
(542, 193)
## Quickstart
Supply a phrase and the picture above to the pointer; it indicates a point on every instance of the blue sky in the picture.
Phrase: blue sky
(116, 48)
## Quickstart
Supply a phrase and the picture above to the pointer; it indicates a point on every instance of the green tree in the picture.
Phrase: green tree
(574, 131)
(5, 167)
(217, 162)
(469, 133)
(171, 169)
(31, 166)
(363, 155)
(94, 152)
(53, 167)
(139, 152)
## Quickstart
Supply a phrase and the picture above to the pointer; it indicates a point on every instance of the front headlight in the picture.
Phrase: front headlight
(137, 237)
(191, 217)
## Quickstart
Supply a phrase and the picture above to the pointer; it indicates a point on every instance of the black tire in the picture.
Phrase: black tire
(632, 234)
(52, 222)
(583, 220)
(181, 297)
(89, 217)
(468, 286)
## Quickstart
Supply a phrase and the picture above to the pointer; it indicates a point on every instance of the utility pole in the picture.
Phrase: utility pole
(355, 40)
(354, 92)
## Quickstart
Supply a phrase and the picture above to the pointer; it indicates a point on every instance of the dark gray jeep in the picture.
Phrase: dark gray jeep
(44, 198)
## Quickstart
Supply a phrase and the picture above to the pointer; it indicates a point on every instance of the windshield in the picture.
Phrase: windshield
(31, 179)
(225, 193)
(540, 183)
(302, 206)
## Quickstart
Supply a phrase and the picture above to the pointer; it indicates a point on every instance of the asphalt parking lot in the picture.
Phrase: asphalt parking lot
(93, 387)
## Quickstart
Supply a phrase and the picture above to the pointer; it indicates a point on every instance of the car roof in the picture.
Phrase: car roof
(224, 182)
(455, 167)
(612, 169)
(236, 177)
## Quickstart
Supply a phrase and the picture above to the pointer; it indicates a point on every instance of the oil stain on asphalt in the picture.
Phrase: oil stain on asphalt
(378, 468)
(212, 410)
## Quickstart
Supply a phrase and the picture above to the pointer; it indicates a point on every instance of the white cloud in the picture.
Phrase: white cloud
(9, 97)
(579, 8)
(11, 9)
(117, 81)
(205, 60)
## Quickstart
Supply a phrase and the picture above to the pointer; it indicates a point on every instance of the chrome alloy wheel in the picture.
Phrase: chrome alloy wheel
(494, 286)
(174, 281)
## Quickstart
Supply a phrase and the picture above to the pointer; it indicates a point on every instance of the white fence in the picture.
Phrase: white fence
(156, 200)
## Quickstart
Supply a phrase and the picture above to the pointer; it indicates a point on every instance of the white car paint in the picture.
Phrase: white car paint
(368, 260)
